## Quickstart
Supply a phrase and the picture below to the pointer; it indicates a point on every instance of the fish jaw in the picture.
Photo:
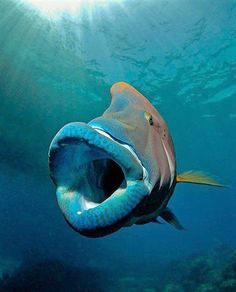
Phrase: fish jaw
(100, 181)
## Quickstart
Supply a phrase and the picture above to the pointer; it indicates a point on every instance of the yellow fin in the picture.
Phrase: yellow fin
(198, 177)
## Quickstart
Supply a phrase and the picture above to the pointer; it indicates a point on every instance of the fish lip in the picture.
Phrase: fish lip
(93, 220)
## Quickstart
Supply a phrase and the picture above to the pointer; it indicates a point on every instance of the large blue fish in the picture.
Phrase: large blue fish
(119, 169)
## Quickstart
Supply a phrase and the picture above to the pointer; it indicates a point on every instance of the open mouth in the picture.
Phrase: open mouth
(99, 180)
(105, 177)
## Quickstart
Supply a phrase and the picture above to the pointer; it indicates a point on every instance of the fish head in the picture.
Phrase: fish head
(105, 169)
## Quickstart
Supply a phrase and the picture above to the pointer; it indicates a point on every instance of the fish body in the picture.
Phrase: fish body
(119, 169)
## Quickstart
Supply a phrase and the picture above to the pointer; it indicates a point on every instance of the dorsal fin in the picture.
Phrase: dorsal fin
(198, 177)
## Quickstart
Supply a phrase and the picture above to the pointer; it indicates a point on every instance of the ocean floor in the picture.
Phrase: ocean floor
(7, 267)
(203, 272)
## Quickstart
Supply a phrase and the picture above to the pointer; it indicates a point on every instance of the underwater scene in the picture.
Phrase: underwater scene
(118, 145)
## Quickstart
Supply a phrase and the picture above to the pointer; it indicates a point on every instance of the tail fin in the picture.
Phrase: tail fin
(198, 177)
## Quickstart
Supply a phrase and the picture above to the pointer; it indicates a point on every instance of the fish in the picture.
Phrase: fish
(119, 169)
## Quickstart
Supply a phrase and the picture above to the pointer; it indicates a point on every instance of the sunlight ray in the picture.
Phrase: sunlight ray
(56, 8)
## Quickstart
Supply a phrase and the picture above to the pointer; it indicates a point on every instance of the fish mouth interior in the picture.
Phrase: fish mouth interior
(111, 179)
(88, 172)
(104, 177)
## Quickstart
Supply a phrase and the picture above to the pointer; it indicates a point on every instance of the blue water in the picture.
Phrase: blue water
(182, 56)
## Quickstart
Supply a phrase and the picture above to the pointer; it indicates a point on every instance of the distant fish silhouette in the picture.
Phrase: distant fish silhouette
(119, 169)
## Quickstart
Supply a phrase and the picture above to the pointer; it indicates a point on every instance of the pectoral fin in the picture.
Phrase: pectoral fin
(170, 217)
(198, 177)
(156, 221)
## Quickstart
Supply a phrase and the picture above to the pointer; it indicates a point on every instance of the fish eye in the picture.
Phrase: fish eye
(149, 118)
